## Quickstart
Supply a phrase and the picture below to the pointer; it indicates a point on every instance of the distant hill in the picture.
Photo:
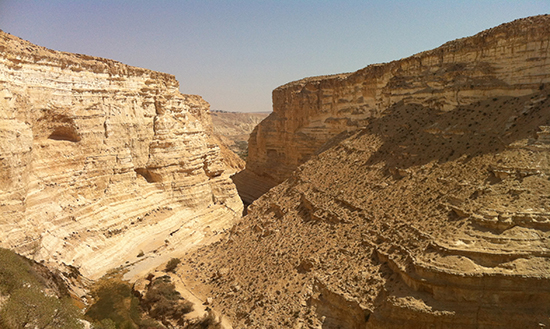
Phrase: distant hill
(234, 128)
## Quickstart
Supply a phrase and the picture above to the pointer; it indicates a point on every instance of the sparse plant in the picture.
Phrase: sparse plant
(172, 264)
(115, 305)
(29, 302)
(163, 301)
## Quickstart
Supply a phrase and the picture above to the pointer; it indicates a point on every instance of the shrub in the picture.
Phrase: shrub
(172, 264)
(163, 301)
(115, 305)
(32, 302)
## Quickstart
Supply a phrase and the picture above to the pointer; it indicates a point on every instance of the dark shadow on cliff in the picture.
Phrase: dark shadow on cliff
(250, 186)
(414, 135)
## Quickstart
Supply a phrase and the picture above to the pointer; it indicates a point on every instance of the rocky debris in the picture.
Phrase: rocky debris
(429, 214)
(509, 60)
(99, 160)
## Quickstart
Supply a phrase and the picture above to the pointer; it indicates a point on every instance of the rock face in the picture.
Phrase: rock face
(430, 214)
(100, 160)
(508, 60)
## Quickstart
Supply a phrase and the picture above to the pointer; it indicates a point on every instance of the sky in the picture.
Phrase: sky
(234, 53)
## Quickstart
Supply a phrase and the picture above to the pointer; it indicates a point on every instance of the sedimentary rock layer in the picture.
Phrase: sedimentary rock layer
(100, 160)
(423, 219)
(428, 216)
(508, 60)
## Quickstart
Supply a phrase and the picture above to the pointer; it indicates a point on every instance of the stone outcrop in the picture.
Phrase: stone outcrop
(508, 60)
(100, 160)
(426, 215)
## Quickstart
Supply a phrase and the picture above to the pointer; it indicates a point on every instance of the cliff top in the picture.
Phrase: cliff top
(19, 50)
(525, 27)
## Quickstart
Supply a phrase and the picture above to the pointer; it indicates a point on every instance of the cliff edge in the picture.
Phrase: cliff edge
(508, 60)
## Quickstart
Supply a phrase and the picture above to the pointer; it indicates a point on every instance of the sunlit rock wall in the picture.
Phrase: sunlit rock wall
(511, 60)
(100, 160)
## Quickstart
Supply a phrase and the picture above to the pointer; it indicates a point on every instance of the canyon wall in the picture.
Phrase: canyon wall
(430, 214)
(511, 60)
(101, 161)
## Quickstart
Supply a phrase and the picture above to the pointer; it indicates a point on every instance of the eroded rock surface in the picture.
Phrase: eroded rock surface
(508, 60)
(426, 215)
(100, 160)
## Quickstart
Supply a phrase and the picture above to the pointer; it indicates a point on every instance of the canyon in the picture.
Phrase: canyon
(412, 194)
(104, 164)
(234, 129)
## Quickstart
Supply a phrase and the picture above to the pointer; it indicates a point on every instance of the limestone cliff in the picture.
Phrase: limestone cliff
(430, 214)
(100, 160)
(508, 60)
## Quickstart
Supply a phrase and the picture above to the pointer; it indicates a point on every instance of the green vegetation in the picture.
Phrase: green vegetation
(241, 148)
(164, 303)
(115, 305)
(34, 297)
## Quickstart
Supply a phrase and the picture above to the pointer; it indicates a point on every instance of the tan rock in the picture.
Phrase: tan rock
(235, 128)
(508, 60)
(99, 160)
(428, 216)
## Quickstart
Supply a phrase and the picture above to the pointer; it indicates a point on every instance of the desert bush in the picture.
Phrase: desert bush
(15, 272)
(172, 264)
(31, 303)
(115, 305)
(29, 307)
(163, 301)
(104, 324)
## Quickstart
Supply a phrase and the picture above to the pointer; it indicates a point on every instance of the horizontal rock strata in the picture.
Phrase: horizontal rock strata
(233, 129)
(508, 60)
(428, 216)
(400, 227)
(100, 160)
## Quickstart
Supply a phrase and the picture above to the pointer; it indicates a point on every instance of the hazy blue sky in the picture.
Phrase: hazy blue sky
(234, 53)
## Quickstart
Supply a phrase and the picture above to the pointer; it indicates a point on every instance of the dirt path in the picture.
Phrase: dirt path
(187, 292)
(189, 287)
